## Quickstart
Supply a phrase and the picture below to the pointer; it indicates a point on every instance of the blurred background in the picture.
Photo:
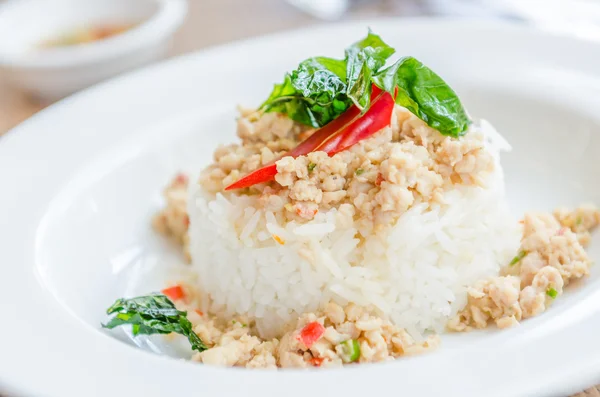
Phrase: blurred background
(56, 47)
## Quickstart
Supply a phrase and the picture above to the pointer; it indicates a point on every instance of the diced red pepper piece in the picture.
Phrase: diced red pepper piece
(199, 312)
(181, 179)
(311, 333)
(268, 172)
(317, 361)
(174, 293)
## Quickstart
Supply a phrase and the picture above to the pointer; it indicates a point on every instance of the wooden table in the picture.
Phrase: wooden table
(212, 22)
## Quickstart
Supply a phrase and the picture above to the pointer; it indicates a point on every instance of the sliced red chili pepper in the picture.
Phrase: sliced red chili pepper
(268, 172)
(377, 117)
(311, 333)
(261, 175)
(174, 293)
(313, 141)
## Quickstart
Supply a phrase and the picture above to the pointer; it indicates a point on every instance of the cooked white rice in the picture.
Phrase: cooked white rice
(415, 271)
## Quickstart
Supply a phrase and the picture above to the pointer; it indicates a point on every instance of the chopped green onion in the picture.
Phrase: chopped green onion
(516, 259)
(578, 220)
(311, 167)
(552, 293)
(242, 324)
(360, 171)
(350, 351)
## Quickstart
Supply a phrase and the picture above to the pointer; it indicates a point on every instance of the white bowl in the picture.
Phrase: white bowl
(51, 74)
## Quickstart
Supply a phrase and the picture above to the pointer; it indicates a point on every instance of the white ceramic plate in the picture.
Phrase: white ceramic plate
(81, 179)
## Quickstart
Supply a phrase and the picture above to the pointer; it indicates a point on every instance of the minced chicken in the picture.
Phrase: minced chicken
(381, 177)
(173, 221)
(342, 335)
(375, 182)
(551, 255)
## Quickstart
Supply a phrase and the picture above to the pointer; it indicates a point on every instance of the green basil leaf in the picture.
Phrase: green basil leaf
(426, 95)
(152, 314)
(321, 88)
(376, 50)
(284, 99)
(314, 94)
(364, 58)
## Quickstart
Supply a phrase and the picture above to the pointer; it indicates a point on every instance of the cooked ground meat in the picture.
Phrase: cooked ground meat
(580, 221)
(173, 221)
(381, 177)
(494, 299)
(233, 342)
(551, 255)
(373, 182)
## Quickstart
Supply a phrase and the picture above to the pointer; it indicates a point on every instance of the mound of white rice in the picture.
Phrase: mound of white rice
(415, 271)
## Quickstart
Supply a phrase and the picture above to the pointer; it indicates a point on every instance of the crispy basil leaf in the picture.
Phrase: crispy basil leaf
(152, 314)
(314, 94)
(320, 89)
(284, 99)
(364, 58)
(426, 95)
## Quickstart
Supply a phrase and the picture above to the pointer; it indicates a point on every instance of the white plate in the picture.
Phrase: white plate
(81, 179)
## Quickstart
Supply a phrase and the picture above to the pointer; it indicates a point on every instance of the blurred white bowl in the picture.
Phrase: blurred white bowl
(53, 73)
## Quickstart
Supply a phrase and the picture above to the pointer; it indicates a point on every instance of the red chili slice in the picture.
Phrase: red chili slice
(377, 117)
(174, 293)
(268, 172)
(313, 141)
(261, 175)
(311, 333)
(317, 361)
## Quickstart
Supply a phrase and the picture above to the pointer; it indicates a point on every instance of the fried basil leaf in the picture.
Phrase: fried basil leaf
(314, 94)
(426, 95)
(152, 314)
(364, 58)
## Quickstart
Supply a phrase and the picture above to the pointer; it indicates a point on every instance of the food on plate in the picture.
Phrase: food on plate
(550, 256)
(361, 214)
(173, 221)
(154, 314)
(85, 35)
